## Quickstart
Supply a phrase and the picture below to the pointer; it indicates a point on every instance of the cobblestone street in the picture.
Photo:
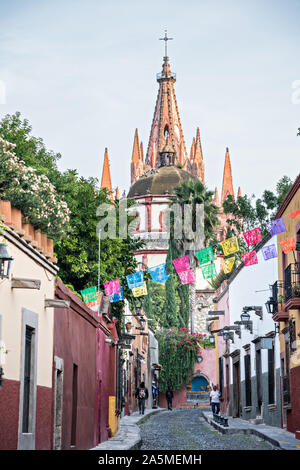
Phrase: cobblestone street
(185, 429)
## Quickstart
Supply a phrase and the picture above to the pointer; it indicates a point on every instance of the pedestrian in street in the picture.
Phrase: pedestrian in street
(214, 400)
(142, 395)
(154, 394)
(169, 397)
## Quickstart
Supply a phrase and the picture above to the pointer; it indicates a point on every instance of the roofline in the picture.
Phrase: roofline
(288, 197)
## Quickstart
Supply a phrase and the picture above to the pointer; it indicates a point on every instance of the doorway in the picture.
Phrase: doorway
(236, 390)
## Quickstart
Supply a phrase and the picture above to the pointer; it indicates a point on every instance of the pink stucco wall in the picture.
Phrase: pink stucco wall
(207, 368)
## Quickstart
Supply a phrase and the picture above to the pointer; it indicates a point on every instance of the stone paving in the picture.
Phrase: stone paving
(194, 429)
(276, 436)
(186, 429)
(129, 435)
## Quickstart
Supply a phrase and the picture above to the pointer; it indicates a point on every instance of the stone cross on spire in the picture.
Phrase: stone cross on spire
(166, 39)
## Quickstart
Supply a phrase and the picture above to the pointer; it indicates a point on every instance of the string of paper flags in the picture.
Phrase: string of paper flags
(205, 256)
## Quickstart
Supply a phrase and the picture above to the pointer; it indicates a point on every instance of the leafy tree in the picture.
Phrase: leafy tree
(77, 252)
(246, 213)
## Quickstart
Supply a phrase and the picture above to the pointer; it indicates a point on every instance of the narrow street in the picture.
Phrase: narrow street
(185, 429)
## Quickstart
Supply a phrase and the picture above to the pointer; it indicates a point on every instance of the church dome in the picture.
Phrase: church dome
(159, 181)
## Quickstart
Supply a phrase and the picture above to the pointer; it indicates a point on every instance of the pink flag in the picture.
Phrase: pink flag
(250, 258)
(182, 263)
(112, 287)
(187, 277)
(253, 236)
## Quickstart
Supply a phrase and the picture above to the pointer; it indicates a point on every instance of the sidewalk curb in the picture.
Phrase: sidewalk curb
(249, 430)
(128, 436)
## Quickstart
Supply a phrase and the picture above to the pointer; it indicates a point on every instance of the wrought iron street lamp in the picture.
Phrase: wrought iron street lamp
(211, 338)
(226, 335)
(271, 306)
(245, 317)
(5, 261)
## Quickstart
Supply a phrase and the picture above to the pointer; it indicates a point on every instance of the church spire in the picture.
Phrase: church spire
(198, 164)
(216, 199)
(227, 186)
(166, 120)
(137, 166)
(106, 178)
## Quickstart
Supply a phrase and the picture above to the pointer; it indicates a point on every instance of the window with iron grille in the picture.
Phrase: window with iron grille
(247, 362)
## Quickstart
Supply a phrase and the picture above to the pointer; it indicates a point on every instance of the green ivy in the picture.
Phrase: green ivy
(178, 351)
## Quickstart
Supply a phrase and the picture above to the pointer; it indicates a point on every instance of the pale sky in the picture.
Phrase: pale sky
(84, 74)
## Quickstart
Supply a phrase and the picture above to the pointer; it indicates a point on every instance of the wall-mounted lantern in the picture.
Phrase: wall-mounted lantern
(211, 339)
(245, 317)
(271, 305)
(5, 261)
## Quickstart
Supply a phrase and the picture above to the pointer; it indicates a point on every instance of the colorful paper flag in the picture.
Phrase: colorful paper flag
(205, 255)
(139, 291)
(228, 264)
(182, 263)
(158, 273)
(208, 270)
(116, 297)
(112, 287)
(287, 245)
(276, 226)
(295, 214)
(250, 258)
(187, 277)
(91, 297)
(230, 246)
(135, 279)
(269, 252)
(252, 236)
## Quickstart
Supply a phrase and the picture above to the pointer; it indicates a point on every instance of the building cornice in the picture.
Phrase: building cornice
(18, 241)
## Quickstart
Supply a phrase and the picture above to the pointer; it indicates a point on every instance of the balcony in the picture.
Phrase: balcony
(292, 286)
(278, 302)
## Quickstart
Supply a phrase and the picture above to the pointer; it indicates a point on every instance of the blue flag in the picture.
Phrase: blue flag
(135, 279)
(158, 273)
(117, 297)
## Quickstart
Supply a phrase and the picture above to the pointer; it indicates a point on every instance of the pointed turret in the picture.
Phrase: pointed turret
(239, 193)
(106, 178)
(141, 152)
(137, 166)
(166, 121)
(192, 152)
(216, 199)
(198, 163)
(117, 193)
(227, 186)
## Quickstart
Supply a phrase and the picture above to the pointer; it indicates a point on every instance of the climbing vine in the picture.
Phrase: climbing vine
(178, 351)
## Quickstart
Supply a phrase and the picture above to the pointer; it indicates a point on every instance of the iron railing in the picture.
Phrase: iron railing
(292, 281)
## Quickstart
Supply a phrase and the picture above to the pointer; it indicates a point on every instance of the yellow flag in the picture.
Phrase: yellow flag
(139, 291)
(230, 246)
(228, 264)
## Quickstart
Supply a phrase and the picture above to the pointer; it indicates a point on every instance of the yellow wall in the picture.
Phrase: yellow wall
(290, 224)
(113, 420)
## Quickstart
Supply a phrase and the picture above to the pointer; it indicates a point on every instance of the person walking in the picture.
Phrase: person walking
(214, 400)
(142, 395)
(169, 397)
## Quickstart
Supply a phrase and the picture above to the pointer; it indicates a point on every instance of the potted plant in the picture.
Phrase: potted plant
(281, 301)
